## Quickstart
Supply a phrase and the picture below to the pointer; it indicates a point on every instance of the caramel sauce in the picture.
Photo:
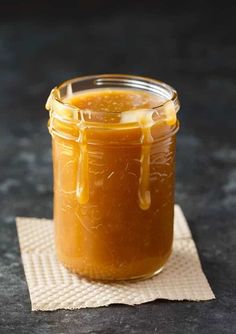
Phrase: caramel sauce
(114, 184)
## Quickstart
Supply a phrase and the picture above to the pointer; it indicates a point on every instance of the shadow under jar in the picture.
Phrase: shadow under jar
(113, 139)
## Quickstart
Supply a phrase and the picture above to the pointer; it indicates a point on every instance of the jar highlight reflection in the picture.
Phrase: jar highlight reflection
(114, 175)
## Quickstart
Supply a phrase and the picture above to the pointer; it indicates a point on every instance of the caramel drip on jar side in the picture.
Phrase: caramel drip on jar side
(82, 187)
(144, 189)
(145, 121)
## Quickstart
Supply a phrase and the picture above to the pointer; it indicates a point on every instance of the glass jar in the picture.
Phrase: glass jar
(114, 176)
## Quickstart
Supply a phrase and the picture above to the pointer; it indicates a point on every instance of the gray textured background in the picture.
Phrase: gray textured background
(192, 47)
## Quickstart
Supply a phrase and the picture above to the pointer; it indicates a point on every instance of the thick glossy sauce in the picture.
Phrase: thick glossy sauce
(114, 186)
(114, 100)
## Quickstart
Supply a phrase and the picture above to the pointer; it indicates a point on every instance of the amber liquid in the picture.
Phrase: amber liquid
(114, 187)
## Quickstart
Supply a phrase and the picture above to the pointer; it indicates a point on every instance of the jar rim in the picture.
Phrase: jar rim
(124, 80)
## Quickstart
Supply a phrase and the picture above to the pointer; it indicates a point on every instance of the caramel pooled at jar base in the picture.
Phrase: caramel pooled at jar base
(113, 139)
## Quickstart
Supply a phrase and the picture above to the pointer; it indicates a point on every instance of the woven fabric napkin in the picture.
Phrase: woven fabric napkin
(52, 287)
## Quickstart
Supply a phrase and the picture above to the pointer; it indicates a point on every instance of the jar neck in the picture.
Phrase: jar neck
(66, 119)
(71, 87)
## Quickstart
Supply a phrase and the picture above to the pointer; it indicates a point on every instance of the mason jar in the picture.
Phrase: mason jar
(114, 179)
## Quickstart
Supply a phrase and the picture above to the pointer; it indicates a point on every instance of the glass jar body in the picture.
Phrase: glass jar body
(111, 236)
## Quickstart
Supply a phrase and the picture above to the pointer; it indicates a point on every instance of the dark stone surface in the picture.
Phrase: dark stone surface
(191, 47)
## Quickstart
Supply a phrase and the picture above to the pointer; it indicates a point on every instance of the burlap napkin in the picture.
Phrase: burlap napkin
(53, 287)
